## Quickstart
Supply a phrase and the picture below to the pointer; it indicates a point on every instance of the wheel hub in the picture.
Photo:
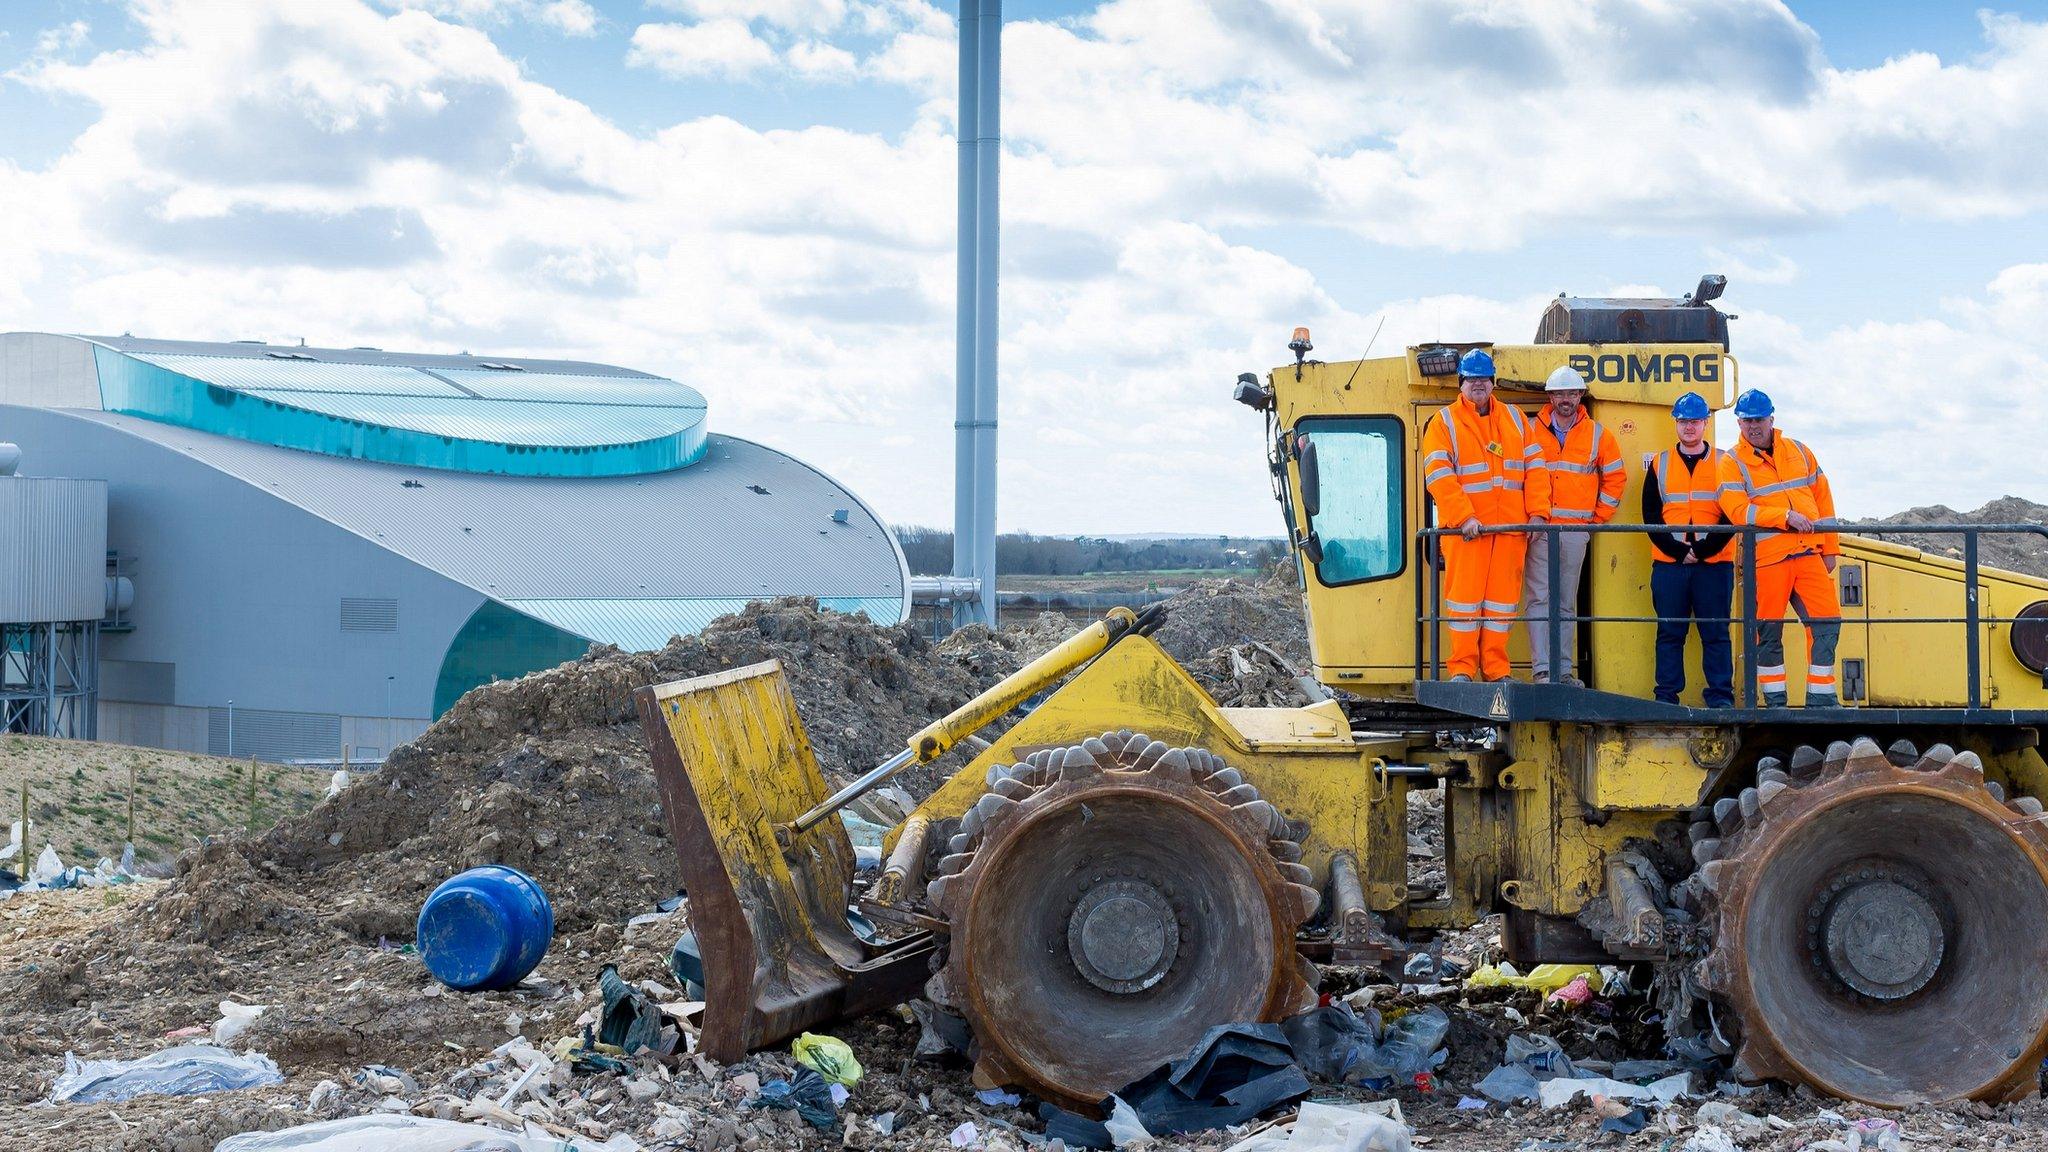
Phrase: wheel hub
(1123, 935)
(1873, 930)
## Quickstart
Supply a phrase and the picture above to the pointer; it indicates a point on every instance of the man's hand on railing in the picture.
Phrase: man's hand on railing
(1798, 522)
(1470, 528)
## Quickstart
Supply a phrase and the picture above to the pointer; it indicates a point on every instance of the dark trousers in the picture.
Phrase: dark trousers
(1702, 592)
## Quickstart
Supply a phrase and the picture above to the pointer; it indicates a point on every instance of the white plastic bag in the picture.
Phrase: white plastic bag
(390, 1133)
(1333, 1128)
(234, 1020)
(1125, 1126)
(48, 866)
(187, 1070)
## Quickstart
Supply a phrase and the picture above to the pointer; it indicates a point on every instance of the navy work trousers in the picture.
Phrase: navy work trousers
(1702, 592)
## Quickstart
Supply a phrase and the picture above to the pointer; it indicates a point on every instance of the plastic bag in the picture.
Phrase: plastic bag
(234, 1020)
(1332, 1128)
(393, 1133)
(1545, 978)
(48, 867)
(1123, 1124)
(187, 1070)
(830, 1056)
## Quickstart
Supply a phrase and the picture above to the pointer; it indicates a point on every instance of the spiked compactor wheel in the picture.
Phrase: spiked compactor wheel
(1880, 925)
(1109, 903)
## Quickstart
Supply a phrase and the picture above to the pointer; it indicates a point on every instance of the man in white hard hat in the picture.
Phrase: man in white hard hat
(1586, 481)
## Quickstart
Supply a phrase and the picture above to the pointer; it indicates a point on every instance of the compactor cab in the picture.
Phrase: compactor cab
(1820, 893)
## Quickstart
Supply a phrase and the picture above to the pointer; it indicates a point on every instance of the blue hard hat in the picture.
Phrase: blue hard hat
(1477, 362)
(1753, 405)
(1691, 406)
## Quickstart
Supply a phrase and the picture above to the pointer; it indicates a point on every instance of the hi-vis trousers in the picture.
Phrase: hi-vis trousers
(1482, 590)
(1803, 582)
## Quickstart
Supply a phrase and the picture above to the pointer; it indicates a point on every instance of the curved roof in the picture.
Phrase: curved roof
(627, 560)
(504, 415)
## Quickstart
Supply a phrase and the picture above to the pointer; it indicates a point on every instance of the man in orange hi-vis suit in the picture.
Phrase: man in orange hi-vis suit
(1772, 481)
(1483, 467)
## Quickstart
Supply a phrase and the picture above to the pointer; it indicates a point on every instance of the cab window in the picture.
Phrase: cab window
(1358, 497)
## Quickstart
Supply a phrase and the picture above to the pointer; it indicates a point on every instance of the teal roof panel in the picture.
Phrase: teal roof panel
(547, 424)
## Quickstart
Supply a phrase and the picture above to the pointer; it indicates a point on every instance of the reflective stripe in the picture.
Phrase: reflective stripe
(1731, 486)
(1570, 514)
(1593, 453)
(1613, 465)
(1749, 516)
(1438, 454)
(1497, 606)
(1514, 465)
(1610, 501)
(1680, 498)
(1482, 486)
(1439, 474)
(1462, 606)
(1783, 486)
(1827, 670)
(1567, 466)
(1499, 626)
(1472, 469)
(1748, 481)
(1512, 485)
(1462, 625)
(1531, 450)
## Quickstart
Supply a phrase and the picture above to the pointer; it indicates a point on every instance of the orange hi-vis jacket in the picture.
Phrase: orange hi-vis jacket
(1761, 488)
(1586, 476)
(1699, 502)
(1487, 466)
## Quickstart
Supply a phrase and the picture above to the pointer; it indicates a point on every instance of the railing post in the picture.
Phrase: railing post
(1421, 567)
(1970, 616)
(1554, 563)
(1748, 543)
(1436, 610)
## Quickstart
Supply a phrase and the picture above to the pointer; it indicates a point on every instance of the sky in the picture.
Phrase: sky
(756, 197)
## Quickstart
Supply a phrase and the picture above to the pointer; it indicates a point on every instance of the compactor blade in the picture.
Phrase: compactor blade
(733, 763)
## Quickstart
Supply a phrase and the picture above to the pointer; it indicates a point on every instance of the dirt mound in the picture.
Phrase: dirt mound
(2014, 552)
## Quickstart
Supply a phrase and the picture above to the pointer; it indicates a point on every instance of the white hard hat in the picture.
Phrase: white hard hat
(1565, 379)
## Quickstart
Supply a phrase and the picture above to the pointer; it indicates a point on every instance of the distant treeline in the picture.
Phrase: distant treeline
(930, 552)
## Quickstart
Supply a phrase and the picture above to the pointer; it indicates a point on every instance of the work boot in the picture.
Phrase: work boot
(1823, 700)
(1461, 678)
(1571, 681)
(1540, 678)
(1774, 699)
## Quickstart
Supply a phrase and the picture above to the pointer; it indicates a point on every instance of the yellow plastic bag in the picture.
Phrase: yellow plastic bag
(1544, 978)
(829, 1056)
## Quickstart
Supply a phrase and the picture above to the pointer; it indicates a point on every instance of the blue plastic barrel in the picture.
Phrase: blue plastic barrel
(485, 929)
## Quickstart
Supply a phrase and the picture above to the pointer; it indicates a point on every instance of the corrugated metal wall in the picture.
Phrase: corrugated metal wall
(53, 549)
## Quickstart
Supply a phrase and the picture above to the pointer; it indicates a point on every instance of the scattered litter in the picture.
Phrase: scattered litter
(632, 1021)
(806, 1092)
(235, 1019)
(1471, 1104)
(941, 1033)
(337, 782)
(1725, 1115)
(388, 1080)
(1232, 1074)
(1579, 991)
(1555, 1093)
(830, 1056)
(885, 1123)
(1545, 978)
(188, 1070)
(1124, 1125)
(389, 1133)
(1708, 1139)
(997, 1098)
(965, 1136)
(840, 1094)
(1331, 1128)
(1628, 1123)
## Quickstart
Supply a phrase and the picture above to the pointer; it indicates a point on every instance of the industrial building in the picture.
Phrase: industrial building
(295, 549)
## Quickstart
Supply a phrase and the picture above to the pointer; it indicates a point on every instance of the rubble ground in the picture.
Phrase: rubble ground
(314, 920)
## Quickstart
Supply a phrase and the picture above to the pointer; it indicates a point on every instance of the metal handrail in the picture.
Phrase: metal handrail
(1972, 618)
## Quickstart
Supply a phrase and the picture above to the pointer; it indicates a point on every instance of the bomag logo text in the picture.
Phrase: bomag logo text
(1641, 368)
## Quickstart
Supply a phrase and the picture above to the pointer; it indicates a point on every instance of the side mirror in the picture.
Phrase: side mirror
(1311, 476)
(1312, 547)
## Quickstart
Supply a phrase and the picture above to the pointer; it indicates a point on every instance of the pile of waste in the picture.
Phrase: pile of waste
(2014, 552)
(49, 873)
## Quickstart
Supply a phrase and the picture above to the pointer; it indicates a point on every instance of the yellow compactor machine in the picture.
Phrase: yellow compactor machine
(1855, 898)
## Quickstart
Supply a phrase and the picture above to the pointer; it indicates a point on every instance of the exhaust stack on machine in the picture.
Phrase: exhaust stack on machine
(974, 421)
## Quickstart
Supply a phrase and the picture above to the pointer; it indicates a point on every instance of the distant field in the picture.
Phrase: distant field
(78, 796)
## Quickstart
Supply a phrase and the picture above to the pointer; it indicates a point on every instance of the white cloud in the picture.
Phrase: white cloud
(717, 48)
(569, 17)
(814, 16)
(63, 38)
(1752, 262)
